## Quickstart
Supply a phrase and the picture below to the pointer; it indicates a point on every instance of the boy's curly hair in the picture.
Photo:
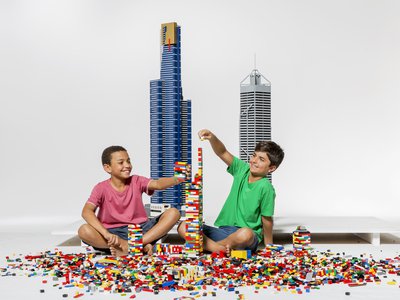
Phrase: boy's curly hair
(106, 156)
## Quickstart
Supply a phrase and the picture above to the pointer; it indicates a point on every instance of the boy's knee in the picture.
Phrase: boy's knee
(245, 235)
(84, 231)
(174, 213)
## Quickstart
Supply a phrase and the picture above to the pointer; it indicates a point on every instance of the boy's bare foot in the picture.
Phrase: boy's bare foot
(212, 246)
(118, 251)
(113, 251)
(148, 249)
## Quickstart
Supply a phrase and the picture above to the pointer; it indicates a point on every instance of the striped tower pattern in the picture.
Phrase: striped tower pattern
(255, 113)
(301, 238)
(194, 212)
(135, 240)
(170, 118)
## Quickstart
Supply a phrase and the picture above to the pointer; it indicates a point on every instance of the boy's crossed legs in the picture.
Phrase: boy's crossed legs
(225, 238)
(152, 230)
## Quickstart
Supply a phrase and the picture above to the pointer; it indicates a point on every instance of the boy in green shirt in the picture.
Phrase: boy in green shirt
(246, 217)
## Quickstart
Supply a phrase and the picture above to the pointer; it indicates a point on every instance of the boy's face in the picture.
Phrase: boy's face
(260, 165)
(120, 165)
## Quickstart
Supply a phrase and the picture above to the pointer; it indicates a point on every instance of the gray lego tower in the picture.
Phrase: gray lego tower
(255, 112)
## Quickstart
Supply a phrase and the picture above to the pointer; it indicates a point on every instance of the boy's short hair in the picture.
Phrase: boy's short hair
(106, 156)
(274, 152)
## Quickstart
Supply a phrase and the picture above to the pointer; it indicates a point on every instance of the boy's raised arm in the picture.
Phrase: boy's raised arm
(218, 147)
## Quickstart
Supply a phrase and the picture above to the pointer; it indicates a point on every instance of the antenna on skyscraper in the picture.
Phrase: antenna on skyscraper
(255, 61)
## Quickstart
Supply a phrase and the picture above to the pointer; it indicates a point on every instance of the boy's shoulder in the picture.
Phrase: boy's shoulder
(238, 164)
(102, 184)
(106, 181)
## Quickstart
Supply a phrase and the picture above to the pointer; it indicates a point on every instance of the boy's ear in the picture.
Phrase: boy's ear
(271, 169)
(107, 168)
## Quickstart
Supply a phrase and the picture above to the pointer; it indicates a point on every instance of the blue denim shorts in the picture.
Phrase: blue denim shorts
(220, 233)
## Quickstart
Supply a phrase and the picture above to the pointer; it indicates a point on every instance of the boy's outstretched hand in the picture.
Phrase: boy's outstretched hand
(205, 134)
(217, 145)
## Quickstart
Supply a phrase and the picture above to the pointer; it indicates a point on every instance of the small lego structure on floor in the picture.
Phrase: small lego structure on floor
(245, 254)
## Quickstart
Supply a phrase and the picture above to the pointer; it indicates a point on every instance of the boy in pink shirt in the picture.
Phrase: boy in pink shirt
(119, 203)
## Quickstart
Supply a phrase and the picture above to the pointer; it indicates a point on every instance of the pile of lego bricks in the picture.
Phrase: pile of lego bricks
(273, 269)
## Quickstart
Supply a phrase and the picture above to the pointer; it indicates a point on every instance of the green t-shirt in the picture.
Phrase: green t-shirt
(247, 202)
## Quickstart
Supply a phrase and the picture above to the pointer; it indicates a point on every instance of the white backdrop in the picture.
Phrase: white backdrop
(74, 79)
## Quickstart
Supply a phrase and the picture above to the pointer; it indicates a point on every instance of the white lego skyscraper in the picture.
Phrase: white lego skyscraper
(255, 112)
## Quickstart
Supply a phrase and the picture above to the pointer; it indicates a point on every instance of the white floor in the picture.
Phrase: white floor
(22, 287)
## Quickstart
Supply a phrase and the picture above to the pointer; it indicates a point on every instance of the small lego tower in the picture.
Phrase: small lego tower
(194, 212)
(301, 238)
(135, 240)
(175, 249)
(161, 248)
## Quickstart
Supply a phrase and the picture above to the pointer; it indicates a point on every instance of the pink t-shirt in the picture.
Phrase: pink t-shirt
(121, 208)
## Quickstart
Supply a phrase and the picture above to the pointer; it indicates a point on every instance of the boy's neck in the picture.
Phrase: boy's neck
(253, 178)
(118, 184)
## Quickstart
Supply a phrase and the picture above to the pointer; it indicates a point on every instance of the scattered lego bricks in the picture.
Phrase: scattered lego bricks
(273, 268)
(301, 238)
(274, 247)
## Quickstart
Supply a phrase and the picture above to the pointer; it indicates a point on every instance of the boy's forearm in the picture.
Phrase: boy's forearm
(268, 239)
(267, 230)
(217, 146)
(164, 183)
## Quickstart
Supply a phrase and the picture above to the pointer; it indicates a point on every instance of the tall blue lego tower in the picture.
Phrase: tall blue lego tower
(170, 118)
